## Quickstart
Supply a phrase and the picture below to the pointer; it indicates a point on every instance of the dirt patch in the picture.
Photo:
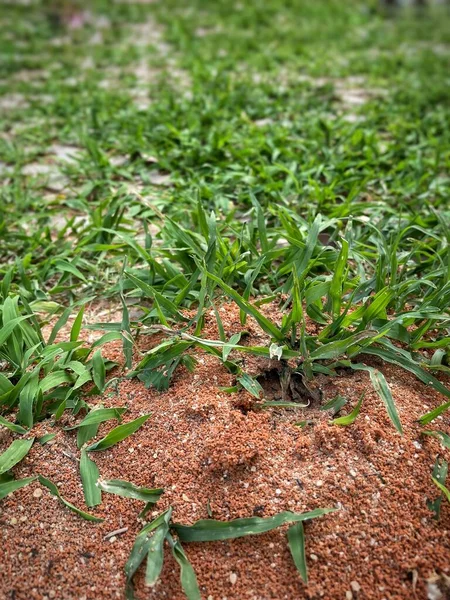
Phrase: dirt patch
(381, 544)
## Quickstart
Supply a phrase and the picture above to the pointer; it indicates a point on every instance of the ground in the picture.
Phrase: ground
(189, 173)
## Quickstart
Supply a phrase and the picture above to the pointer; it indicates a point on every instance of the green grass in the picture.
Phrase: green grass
(293, 153)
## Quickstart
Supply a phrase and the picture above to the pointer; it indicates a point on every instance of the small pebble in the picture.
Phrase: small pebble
(355, 586)
(278, 492)
(112, 539)
(319, 483)
(233, 578)
(13, 521)
(37, 493)
(348, 595)
(314, 557)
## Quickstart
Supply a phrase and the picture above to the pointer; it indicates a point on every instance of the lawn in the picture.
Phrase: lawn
(224, 300)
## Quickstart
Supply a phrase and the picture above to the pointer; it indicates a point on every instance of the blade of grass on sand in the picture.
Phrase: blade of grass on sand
(98, 370)
(155, 555)
(296, 541)
(210, 530)
(442, 488)
(17, 450)
(381, 387)
(351, 417)
(99, 415)
(129, 490)
(187, 574)
(8, 487)
(12, 426)
(89, 476)
(140, 550)
(444, 438)
(55, 492)
(118, 434)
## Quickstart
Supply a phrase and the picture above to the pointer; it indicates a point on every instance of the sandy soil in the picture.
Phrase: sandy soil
(204, 445)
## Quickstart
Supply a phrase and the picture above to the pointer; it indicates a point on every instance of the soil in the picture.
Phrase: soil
(204, 449)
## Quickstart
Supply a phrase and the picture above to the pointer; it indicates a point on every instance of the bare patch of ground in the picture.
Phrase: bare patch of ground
(382, 543)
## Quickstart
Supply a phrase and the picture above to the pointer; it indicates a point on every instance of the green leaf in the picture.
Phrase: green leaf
(55, 492)
(8, 328)
(14, 454)
(250, 310)
(340, 347)
(46, 438)
(84, 434)
(168, 305)
(67, 267)
(251, 385)
(118, 434)
(335, 404)
(444, 438)
(98, 370)
(442, 488)
(433, 414)
(89, 476)
(210, 530)
(403, 359)
(296, 542)
(12, 426)
(155, 555)
(27, 399)
(440, 470)
(8, 487)
(140, 549)
(76, 327)
(99, 415)
(187, 574)
(55, 379)
(229, 346)
(381, 387)
(351, 417)
(129, 490)
(335, 290)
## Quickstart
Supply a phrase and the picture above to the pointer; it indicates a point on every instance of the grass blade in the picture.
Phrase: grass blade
(89, 476)
(440, 470)
(296, 542)
(76, 327)
(129, 490)
(55, 492)
(98, 370)
(12, 426)
(187, 574)
(155, 556)
(99, 415)
(14, 454)
(444, 438)
(210, 530)
(250, 310)
(140, 550)
(7, 487)
(381, 387)
(251, 385)
(351, 417)
(118, 434)
(442, 488)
